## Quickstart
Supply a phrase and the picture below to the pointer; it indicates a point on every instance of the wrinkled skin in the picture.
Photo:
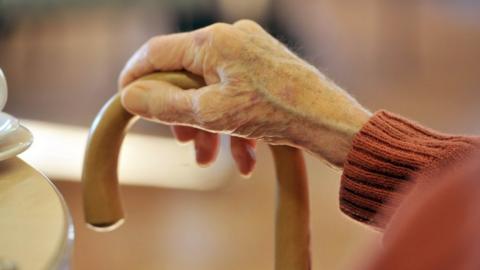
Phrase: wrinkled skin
(256, 90)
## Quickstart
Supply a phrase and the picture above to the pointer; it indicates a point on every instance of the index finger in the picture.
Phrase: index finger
(161, 53)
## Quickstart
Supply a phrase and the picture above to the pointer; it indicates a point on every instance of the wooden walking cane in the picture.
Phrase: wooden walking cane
(101, 197)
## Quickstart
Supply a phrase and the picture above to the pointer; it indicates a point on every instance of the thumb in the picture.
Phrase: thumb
(159, 100)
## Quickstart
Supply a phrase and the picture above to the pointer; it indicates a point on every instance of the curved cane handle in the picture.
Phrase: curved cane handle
(101, 198)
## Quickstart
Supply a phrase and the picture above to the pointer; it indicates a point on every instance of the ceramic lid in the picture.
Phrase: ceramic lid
(14, 138)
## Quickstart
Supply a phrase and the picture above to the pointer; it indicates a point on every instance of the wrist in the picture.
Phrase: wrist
(326, 128)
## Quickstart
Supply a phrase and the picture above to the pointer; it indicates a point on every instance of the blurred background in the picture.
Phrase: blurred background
(419, 58)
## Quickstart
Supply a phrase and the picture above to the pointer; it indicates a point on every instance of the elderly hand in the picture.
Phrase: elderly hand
(256, 90)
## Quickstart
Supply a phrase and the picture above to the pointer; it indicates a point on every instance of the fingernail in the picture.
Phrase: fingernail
(246, 169)
(182, 143)
(246, 175)
(136, 100)
(201, 155)
(251, 152)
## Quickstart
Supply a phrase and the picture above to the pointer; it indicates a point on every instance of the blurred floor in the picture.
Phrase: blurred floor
(229, 228)
(416, 58)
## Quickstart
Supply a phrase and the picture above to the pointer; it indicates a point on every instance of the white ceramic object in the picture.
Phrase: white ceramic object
(15, 143)
(14, 138)
(3, 90)
(8, 124)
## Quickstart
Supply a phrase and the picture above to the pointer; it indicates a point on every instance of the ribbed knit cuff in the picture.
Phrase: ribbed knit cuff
(387, 153)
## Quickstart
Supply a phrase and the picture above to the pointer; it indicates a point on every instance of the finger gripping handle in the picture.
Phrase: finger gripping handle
(101, 196)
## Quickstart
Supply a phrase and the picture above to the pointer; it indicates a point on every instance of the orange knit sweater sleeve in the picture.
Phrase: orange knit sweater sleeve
(387, 154)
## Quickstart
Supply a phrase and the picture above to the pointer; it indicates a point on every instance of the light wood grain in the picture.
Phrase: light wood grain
(35, 227)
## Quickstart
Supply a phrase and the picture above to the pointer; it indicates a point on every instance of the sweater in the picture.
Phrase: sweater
(436, 225)
(421, 188)
(388, 154)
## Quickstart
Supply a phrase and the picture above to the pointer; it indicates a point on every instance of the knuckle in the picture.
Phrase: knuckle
(246, 22)
(151, 42)
(220, 29)
(248, 25)
(214, 33)
(149, 47)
